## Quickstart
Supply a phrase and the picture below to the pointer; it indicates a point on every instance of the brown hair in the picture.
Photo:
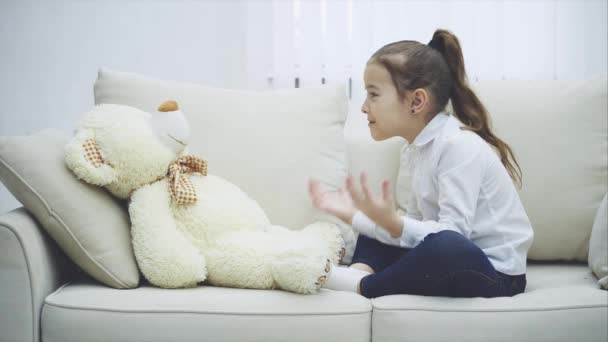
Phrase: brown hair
(439, 68)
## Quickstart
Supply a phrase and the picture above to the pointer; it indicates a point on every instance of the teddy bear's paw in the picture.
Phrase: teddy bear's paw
(330, 233)
(304, 275)
(341, 254)
(337, 250)
(323, 279)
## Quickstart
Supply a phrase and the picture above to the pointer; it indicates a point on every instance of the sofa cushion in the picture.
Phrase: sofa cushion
(82, 311)
(266, 142)
(89, 225)
(559, 132)
(598, 245)
(562, 302)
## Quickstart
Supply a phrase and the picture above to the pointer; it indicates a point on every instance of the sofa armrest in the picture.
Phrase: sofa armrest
(31, 267)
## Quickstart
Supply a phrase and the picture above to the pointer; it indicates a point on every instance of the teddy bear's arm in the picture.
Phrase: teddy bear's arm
(165, 256)
(86, 160)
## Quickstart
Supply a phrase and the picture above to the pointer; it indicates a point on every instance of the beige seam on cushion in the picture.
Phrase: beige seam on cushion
(560, 308)
(72, 307)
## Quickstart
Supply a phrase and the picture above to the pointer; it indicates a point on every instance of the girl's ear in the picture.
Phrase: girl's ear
(83, 157)
(419, 99)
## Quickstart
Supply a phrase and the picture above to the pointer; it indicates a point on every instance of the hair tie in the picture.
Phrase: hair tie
(433, 45)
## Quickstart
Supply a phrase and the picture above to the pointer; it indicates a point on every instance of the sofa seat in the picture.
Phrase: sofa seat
(562, 302)
(88, 311)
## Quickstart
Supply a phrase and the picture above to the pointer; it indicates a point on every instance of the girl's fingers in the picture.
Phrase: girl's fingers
(348, 184)
(345, 196)
(313, 187)
(354, 194)
(364, 186)
(387, 194)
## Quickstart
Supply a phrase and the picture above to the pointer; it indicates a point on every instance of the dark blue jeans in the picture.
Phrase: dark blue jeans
(443, 264)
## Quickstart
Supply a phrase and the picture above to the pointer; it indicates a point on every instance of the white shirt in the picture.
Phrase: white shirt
(459, 183)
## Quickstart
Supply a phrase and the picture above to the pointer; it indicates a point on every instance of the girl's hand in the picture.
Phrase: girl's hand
(336, 203)
(381, 210)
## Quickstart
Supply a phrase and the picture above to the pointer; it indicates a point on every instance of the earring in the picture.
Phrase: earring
(412, 111)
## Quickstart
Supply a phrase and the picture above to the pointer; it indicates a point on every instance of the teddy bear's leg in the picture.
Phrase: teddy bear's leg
(331, 233)
(165, 257)
(300, 263)
(267, 260)
(241, 260)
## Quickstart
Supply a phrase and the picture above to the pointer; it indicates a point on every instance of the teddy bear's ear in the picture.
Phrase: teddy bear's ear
(85, 159)
(168, 106)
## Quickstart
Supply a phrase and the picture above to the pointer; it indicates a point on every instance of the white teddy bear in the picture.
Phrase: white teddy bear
(188, 226)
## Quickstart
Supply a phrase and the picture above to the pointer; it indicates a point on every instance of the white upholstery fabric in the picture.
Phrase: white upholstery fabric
(561, 303)
(31, 267)
(91, 312)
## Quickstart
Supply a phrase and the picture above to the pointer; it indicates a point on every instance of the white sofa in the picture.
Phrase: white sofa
(558, 130)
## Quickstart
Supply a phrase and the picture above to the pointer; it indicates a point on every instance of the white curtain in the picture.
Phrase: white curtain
(305, 42)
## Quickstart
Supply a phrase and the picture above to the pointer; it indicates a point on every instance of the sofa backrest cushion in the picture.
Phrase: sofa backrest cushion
(558, 131)
(266, 142)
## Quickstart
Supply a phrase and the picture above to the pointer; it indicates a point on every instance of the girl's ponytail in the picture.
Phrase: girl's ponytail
(466, 105)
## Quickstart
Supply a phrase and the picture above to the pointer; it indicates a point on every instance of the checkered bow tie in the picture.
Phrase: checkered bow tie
(180, 186)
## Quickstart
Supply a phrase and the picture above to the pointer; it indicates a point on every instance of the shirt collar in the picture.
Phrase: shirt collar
(431, 130)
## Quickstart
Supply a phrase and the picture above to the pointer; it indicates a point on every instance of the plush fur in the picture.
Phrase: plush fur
(224, 239)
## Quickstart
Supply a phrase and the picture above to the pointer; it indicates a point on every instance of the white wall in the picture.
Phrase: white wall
(50, 52)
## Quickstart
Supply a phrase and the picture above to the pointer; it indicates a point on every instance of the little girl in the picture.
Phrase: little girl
(465, 232)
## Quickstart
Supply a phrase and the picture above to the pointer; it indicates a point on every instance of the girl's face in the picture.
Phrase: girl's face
(388, 115)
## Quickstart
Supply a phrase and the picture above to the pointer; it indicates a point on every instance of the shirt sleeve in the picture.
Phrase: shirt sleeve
(364, 225)
(459, 177)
